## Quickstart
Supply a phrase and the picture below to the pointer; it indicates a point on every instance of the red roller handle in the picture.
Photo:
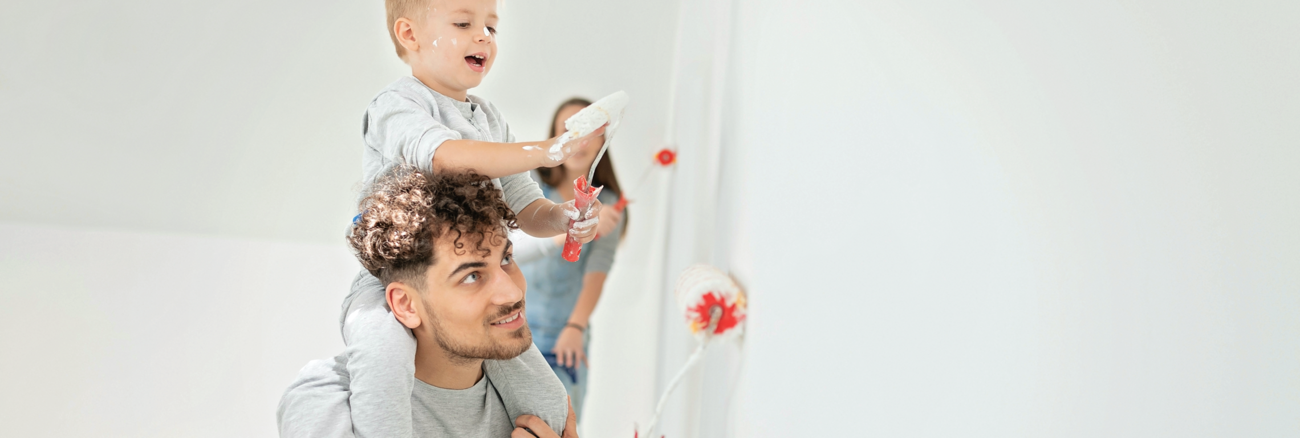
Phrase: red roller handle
(618, 208)
(583, 195)
(620, 205)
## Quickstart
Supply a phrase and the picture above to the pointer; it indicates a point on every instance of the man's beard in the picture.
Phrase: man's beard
(493, 350)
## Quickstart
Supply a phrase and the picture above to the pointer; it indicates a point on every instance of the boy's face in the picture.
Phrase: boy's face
(472, 305)
(457, 42)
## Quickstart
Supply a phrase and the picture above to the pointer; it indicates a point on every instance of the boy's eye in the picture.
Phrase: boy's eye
(471, 278)
(492, 30)
(462, 25)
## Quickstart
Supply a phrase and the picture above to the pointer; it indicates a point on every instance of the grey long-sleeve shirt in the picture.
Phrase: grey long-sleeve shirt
(316, 404)
(407, 121)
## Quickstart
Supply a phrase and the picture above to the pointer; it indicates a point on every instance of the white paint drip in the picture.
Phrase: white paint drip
(585, 225)
(571, 212)
(529, 147)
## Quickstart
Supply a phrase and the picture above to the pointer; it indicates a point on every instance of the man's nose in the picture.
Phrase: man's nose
(505, 291)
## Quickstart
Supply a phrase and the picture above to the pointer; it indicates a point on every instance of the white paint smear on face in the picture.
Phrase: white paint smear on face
(453, 41)
(485, 31)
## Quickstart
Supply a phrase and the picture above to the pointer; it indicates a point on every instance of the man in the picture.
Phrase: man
(439, 246)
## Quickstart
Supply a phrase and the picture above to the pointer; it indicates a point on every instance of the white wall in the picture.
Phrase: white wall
(226, 136)
(126, 334)
(231, 118)
(1020, 219)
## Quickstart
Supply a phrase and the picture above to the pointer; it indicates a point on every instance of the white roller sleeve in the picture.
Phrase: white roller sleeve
(607, 109)
(702, 287)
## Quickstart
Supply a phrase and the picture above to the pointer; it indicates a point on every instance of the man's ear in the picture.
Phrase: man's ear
(404, 31)
(402, 299)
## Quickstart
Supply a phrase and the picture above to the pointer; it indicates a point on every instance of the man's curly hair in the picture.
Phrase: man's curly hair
(407, 211)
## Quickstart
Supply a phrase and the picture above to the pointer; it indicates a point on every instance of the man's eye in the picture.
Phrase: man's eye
(508, 259)
(471, 278)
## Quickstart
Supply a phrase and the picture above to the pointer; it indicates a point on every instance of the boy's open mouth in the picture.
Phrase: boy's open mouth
(476, 61)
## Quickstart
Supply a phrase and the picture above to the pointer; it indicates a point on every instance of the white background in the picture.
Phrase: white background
(1020, 219)
(954, 218)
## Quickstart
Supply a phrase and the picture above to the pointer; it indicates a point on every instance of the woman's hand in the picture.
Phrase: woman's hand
(609, 219)
(568, 348)
(563, 146)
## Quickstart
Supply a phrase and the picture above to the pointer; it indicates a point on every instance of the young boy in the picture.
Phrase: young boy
(428, 120)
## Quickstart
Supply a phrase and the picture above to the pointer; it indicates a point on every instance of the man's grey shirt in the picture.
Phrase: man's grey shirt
(407, 121)
(316, 403)
(472, 413)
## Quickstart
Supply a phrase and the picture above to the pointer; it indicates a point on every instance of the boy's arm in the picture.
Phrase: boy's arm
(496, 160)
(539, 217)
(543, 218)
(403, 130)
(529, 248)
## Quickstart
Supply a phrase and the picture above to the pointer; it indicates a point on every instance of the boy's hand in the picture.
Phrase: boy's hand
(585, 227)
(558, 149)
(529, 426)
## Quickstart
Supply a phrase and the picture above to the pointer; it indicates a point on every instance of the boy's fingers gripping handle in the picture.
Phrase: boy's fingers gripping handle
(583, 194)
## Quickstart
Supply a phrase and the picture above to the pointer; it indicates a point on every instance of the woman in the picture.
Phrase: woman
(561, 294)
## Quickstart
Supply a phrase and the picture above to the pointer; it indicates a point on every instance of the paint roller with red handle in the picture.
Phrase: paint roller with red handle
(583, 195)
(604, 112)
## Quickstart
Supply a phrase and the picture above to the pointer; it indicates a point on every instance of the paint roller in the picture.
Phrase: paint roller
(714, 307)
(608, 109)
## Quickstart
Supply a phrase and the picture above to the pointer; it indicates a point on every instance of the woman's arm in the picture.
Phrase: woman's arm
(568, 348)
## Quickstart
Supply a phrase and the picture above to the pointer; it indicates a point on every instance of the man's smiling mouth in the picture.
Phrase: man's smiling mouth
(509, 319)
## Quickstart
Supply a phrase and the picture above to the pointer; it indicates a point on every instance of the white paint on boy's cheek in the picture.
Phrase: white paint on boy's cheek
(453, 41)
(485, 31)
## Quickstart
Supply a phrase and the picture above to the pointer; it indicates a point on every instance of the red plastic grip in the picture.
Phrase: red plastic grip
(583, 194)
(620, 205)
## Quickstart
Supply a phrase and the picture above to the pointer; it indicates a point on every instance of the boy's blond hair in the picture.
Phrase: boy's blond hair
(399, 9)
